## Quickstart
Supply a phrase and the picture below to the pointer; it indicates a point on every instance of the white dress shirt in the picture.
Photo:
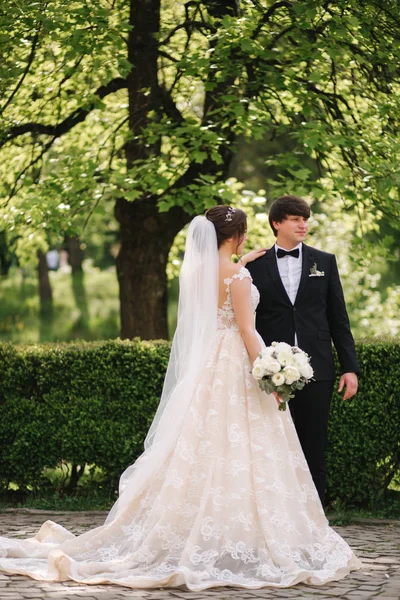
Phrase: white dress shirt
(290, 269)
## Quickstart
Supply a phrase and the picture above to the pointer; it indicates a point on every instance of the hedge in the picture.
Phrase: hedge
(364, 433)
(80, 403)
(92, 402)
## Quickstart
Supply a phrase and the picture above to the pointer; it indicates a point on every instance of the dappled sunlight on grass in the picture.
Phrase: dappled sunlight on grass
(20, 320)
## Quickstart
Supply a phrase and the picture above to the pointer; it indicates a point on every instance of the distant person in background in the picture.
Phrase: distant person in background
(52, 260)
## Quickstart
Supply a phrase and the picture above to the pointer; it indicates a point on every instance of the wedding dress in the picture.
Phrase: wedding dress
(231, 503)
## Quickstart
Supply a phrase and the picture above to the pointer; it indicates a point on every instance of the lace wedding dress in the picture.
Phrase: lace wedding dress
(232, 504)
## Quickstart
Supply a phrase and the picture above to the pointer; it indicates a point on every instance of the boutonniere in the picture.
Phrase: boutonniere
(314, 271)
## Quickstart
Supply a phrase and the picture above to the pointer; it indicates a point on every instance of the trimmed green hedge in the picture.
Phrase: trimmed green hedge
(93, 403)
(364, 433)
(81, 403)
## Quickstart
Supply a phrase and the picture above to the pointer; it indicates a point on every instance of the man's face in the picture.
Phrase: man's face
(292, 230)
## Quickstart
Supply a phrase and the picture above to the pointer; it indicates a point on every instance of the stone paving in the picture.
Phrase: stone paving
(377, 544)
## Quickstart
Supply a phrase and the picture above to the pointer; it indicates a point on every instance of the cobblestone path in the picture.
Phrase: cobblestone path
(378, 546)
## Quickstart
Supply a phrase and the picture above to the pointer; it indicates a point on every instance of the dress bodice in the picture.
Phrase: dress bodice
(226, 316)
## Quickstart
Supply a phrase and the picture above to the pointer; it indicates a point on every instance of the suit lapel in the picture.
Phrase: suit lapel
(307, 262)
(273, 270)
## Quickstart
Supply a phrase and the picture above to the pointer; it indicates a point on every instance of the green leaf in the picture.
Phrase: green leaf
(199, 156)
(302, 174)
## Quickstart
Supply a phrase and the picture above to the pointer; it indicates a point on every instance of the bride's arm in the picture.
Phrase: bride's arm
(244, 314)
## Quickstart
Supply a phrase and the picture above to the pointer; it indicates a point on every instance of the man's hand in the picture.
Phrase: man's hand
(349, 380)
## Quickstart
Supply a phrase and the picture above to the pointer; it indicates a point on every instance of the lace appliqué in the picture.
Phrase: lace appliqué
(226, 316)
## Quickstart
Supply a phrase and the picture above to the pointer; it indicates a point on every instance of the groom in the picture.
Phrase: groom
(302, 303)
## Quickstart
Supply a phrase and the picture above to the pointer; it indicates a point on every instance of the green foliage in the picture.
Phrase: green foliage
(92, 403)
(346, 513)
(80, 403)
(364, 447)
(89, 500)
(101, 104)
(322, 75)
(368, 270)
(21, 321)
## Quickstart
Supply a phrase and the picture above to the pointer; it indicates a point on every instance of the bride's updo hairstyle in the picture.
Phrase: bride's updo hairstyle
(229, 222)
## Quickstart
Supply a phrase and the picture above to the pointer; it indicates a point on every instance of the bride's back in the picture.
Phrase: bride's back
(226, 271)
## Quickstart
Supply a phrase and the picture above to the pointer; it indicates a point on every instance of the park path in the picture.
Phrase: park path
(376, 543)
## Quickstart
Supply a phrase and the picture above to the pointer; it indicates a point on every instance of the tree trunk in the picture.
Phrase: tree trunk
(75, 259)
(5, 258)
(76, 473)
(45, 291)
(46, 300)
(146, 234)
(75, 253)
(146, 237)
(142, 81)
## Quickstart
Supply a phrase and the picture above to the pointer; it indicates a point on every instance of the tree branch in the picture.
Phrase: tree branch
(188, 26)
(168, 56)
(111, 135)
(26, 70)
(170, 108)
(15, 187)
(279, 35)
(78, 116)
(331, 98)
(266, 16)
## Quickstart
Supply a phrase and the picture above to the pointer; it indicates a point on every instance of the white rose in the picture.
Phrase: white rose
(300, 361)
(278, 379)
(283, 347)
(285, 357)
(258, 372)
(268, 351)
(306, 371)
(270, 365)
(291, 374)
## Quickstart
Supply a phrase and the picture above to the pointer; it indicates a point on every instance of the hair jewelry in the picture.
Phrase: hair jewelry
(231, 211)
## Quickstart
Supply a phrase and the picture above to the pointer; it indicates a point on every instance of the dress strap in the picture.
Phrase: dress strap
(243, 273)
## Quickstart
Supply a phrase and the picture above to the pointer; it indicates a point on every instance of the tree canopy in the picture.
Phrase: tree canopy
(142, 104)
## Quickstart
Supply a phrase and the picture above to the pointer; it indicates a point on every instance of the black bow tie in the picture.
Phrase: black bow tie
(281, 253)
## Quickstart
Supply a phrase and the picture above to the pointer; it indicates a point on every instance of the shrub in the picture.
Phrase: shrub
(92, 403)
(80, 402)
(364, 433)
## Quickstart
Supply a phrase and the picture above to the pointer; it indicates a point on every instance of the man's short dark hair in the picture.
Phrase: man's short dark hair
(285, 207)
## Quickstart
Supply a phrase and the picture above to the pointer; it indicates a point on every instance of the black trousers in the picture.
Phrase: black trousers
(310, 411)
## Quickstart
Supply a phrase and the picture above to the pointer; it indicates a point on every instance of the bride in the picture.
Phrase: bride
(222, 494)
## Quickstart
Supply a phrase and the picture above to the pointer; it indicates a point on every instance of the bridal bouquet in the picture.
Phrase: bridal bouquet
(283, 369)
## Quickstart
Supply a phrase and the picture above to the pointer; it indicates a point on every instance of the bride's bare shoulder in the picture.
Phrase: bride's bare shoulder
(227, 271)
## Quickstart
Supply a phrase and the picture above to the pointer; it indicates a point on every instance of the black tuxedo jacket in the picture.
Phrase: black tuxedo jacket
(318, 315)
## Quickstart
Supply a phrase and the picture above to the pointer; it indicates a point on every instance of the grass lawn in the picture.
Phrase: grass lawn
(93, 315)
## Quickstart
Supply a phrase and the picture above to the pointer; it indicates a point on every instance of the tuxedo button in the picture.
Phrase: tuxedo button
(294, 309)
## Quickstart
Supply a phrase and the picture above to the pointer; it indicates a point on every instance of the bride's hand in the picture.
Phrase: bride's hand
(250, 256)
(277, 397)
